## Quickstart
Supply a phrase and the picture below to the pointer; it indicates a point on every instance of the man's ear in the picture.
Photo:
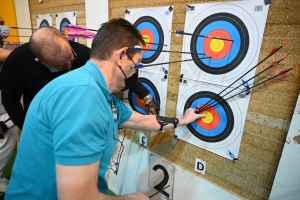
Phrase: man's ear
(120, 55)
(122, 52)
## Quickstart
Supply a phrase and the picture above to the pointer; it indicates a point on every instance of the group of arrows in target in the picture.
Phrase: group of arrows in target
(76, 31)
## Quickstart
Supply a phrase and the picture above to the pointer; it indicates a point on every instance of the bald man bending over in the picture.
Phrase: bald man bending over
(48, 55)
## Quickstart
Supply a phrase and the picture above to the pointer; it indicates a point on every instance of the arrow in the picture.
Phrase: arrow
(273, 51)
(138, 48)
(140, 66)
(275, 63)
(184, 33)
(281, 73)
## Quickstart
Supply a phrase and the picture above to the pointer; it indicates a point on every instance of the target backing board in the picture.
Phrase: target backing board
(44, 20)
(221, 130)
(240, 23)
(156, 84)
(64, 19)
(154, 25)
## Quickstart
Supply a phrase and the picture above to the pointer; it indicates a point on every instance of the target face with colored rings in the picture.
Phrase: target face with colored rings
(151, 32)
(65, 22)
(221, 128)
(136, 103)
(225, 55)
(219, 120)
(43, 23)
(229, 59)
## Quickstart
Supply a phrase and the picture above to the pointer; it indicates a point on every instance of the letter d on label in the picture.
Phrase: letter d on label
(200, 166)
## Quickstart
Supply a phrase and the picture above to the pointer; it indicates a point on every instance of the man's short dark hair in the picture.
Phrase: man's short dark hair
(114, 35)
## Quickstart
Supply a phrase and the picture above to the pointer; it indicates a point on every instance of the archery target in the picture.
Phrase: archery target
(63, 20)
(136, 103)
(225, 55)
(44, 23)
(229, 60)
(44, 20)
(155, 85)
(219, 120)
(152, 32)
(154, 25)
(221, 130)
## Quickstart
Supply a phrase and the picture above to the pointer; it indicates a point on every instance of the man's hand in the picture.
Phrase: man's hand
(153, 107)
(190, 116)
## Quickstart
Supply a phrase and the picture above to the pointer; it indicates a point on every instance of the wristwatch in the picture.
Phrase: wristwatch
(148, 97)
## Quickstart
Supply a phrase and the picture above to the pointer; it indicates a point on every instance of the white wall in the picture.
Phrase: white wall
(23, 19)
(133, 176)
(287, 180)
(96, 12)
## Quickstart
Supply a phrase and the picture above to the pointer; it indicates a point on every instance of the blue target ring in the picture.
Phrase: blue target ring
(153, 30)
(236, 45)
(150, 25)
(44, 23)
(235, 29)
(135, 101)
(225, 124)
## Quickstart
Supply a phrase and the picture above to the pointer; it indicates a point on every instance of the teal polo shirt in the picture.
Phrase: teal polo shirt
(73, 120)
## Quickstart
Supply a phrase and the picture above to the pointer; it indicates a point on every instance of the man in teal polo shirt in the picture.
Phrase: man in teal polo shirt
(68, 136)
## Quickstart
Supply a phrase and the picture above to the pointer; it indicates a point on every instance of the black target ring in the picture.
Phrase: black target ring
(157, 36)
(243, 46)
(43, 23)
(226, 121)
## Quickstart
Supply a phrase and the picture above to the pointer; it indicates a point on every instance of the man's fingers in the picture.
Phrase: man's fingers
(202, 115)
(152, 111)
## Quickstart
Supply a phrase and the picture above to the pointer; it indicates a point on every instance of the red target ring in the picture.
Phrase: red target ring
(140, 103)
(150, 36)
(217, 49)
(213, 123)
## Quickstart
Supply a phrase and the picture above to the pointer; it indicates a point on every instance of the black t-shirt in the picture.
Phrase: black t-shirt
(22, 75)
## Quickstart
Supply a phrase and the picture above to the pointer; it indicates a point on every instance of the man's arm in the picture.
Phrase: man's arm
(150, 122)
(11, 89)
(14, 109)
(80, 182)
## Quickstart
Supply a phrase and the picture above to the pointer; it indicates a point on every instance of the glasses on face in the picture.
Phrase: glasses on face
(130, 59)
(129, 67)
(65, 66)
(114, 165)
(1, 23)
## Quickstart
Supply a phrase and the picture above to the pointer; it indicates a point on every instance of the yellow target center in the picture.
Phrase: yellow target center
(209, 117)
(146, 39)
(216, 45)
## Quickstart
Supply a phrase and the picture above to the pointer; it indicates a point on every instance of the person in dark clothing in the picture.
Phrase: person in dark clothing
(26, 73)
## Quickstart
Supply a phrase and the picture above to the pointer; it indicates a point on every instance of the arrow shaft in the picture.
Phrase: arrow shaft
(173, 62)
(273, 52)
(280, 74)
(272, 65)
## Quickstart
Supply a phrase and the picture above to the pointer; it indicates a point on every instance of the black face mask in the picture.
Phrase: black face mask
(129, 82)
